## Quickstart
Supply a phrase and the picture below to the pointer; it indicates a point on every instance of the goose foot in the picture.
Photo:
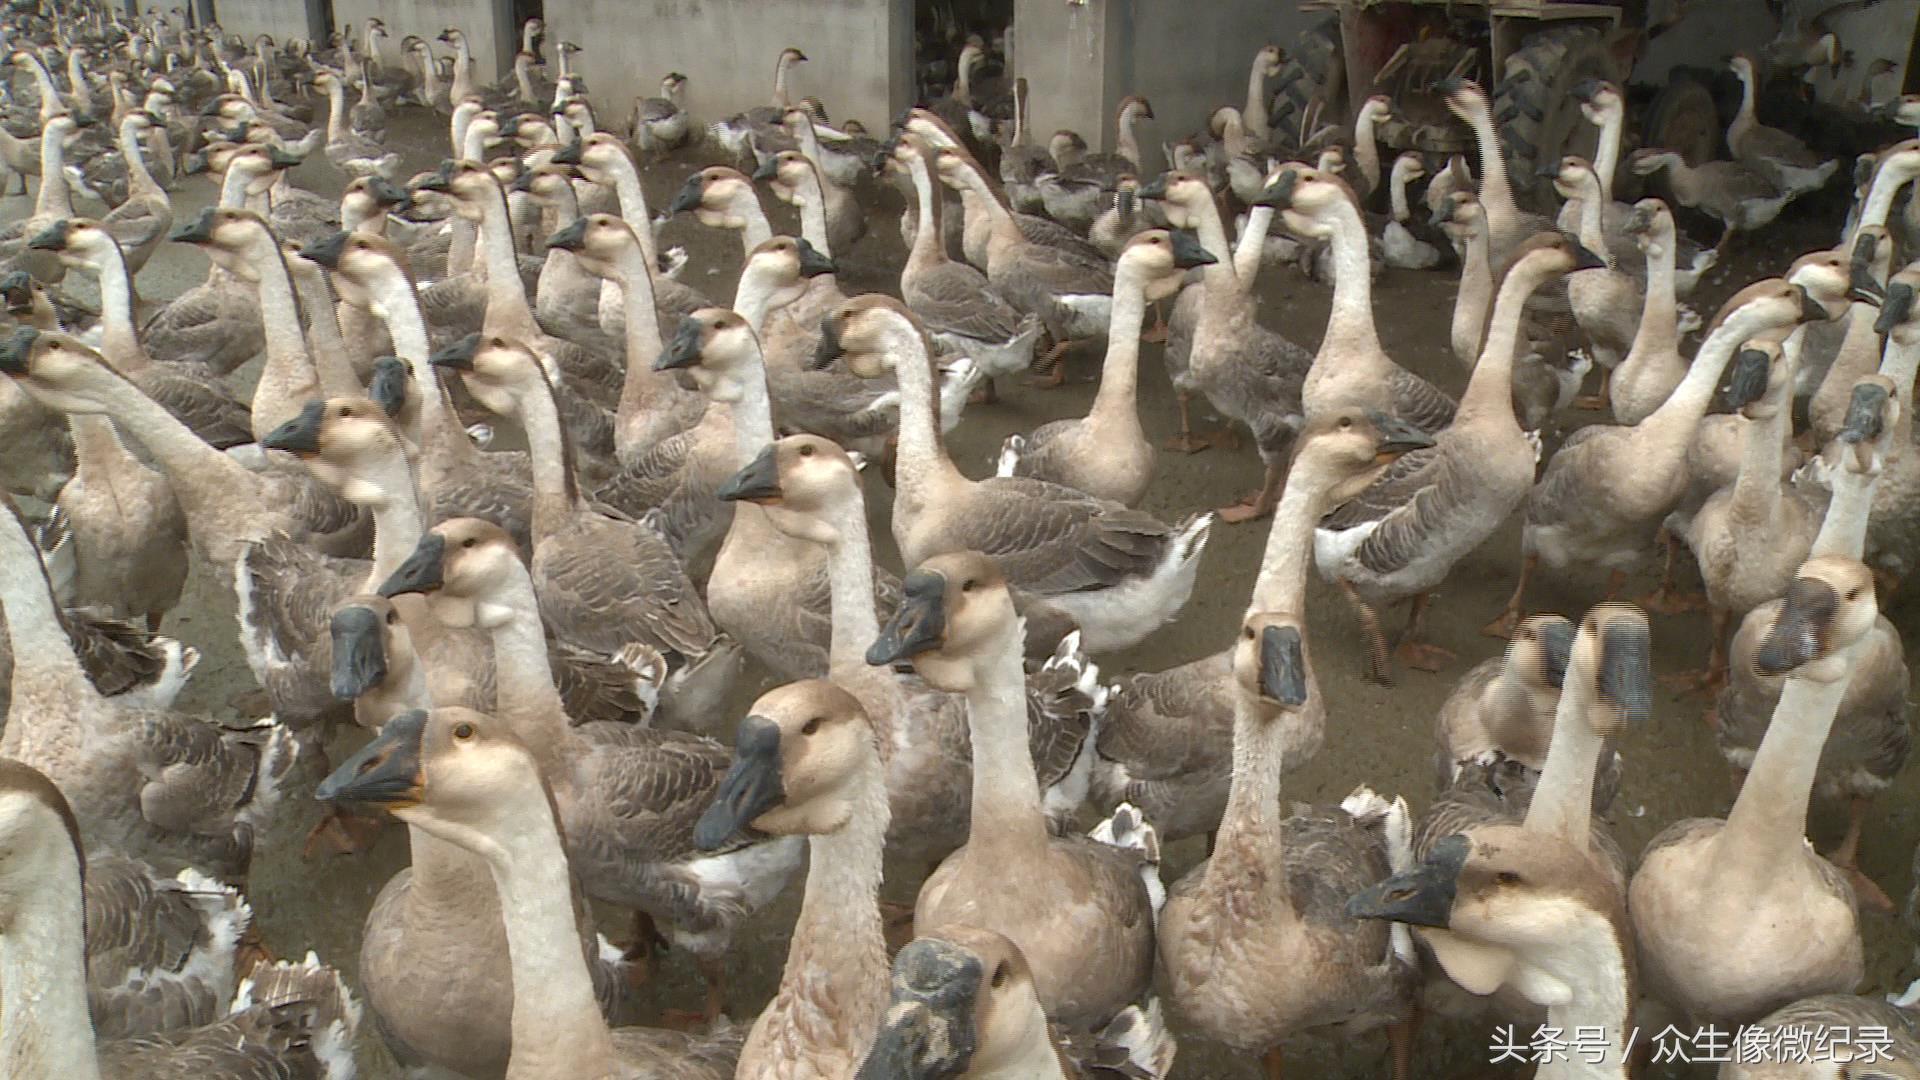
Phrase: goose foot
(1379, 653)
(639, 952)
(1846, 858)
(1186, 443)
(988, 394)
(1502, 624)
(1052, 366)
(1257, 505)
(1157, 333)
(342, 833)
(1270, 1064)
(1870, 895)
(251, 952)
(1421, 656)
(1668, 600)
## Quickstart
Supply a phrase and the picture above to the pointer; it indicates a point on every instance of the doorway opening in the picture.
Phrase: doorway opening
(319, 22)
(510, 20)
(941, 28)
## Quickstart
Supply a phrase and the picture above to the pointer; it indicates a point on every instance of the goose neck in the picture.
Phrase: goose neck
(289, 370)
(139, 180)
(1247, 253)
(641, 386)
(1563, 800)
(850, 576)
(838, 951)
(1489, 393)
(43, 658)
(556, 497)
(1282, 582)
(1756, 489)
(1592, 237)
(332, 365)
(1366, 150)
(633, 207)
(929, 240)
(922, 459)
(55, 200)
(388, 488)
(507, 308)
(812, 198)
(118, 340)
(1006, 791)
(1350, 325)
(781, 71)
(1606, 157)
(1673, 422)
(523, 675)
(1120, 372)
(1126, 142)
(1496, 194)
(45, 1028)
(336, 111)
(1659, 317)
(1769, 819)
(1886, 184)
(1205, 218)
(744, 206)
(1596, 995)
(233, 188)
(1397, 192)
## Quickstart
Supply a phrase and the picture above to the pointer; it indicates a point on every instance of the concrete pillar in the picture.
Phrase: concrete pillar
(860, 52)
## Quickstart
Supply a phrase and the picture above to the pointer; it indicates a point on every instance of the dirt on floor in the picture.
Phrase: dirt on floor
(1379, 736)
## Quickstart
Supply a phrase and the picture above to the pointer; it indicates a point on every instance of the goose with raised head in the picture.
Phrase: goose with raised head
(1021, 161)
(1608, 490)
(1070, 191)
(140, 222)
(1870, 261)
(604, 582)
(1736, 918)
(477, 783)
(976, 224)
(1251, 972)
(288, 1021)
(1784, 160)
(352, 152)
(1119, 574)
(802, 182)
(964, 1005)
(603, 160)
(1106, 453)
(1738, 197)
(807, 763)
(659, 124)
(1401, 536)
(1085, 915)
(846, 221)
(1506, 906)
(1870, 737)
(1653, 366)
(1606, 302)
(736, 133)
(1507, 225)
(1605, 107)
(567, 296)
(54, 202)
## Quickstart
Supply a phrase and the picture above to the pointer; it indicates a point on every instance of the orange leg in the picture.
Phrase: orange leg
(1157, 333)
(1400, 1039)
(1503, 624)
(1846, 857)
(1185, 442)
(1379, 656)
(1260, 503)
(1270, 1065)
(1597, 402)
(1415, 653)
(1052, 367)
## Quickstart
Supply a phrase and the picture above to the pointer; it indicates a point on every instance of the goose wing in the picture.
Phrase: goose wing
(117, 655)
(1770, 144)
(638, 802)
(159, 950)
(1418, 401)
(610, 583)
(952, 298)
(199, 773)
(191, 395)
(1051, 539)
(832, 404)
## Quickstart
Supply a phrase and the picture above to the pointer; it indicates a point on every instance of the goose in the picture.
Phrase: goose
(961, 309)
(806, 763)
(964, 174)
(216, 322)
(660, 124)
(1859, 349)
(1118, 574)
(141, 220)
(567, 297)
(735, 133)
(352, 151)
(1608, 489)
(1737, 196)
(1797, 924)
(1247, 972)
(1605, 107)
(604, 582)
(1652, 367)
(472, 781)
(1531, 911)
(1870, 737)
(964, 1004)
(1125, 219)
(604, 161)
(1105, 453)
(173, 788)
(1084, 917)
(1606, 302)
(1878, 1034)
(846, 220)
(1785, 161)
(134, 666)
(117, 520)
(288, 1020)
(1507, 225)
(1502, 709)
(1402, 247)
(1070, 191)
(1020, 161)
(53, 203)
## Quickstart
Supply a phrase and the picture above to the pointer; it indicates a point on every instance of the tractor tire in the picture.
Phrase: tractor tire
(1306, 74)
(1534, 108)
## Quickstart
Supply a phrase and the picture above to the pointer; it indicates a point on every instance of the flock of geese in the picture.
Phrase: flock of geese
(518, 502)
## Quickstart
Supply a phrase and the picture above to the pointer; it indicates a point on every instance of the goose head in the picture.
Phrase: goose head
(1464, 98)
(1185, 191)
(548, 184)
(233, 238)
(1159, 259)
(1905, 110)
(1135, 107)
(1269, 60)
(452, 37)
(955, 613)
(791, 176)
(1600, 101)
(1830, 606)
(672, 85)
(1551, 254)
(1614, 649)
(1742, 67)
(80, 242)
(347, 443)
(463, 563)
(1270, 665)
(326, 79)
(1873, 419)
(501, 373)
(1375, 110)
(808, 485)
(458, 774)
(1650, 224)
(59, 371)
(797, 121)
(789, 57)
(1408, 168)
(1827, 276)
(865, 331)
(578, 111)
(1066, 148)
(1869, 263)
(468, 184)
(718, 349)
(1539, 651)
(39, 836)
(531, 130)
(603, 157)
(962, 1002)
(717, 195)
(1898, 318)
(1510, 907)
(602, 242)
(781, 266)
(1761, 379)
(1311, 202)
(798, 760)
(368, 198)
(1462, 216)
(1774, 304)
(1650, 159)
(1574, 178)
(365, 266)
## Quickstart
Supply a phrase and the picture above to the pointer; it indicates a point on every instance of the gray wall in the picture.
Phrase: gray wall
(859, 52)
(427, 18)
(283, 19)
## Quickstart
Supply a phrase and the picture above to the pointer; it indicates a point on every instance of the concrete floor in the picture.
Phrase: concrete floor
(1379, 736)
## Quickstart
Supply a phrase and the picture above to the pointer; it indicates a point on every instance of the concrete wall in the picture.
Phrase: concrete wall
(484, 22)
(284, 19)
(859, 52)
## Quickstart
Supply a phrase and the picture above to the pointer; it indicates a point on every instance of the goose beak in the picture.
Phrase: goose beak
(684, 350)
(929, 1029)
(1586, 89)
(359, 652)
(1584, 259)
(918, 626)
(327, 250)
(1397, 436)
(1626, 669)
(387, 195)
(573, 237)
(387, 771)
(1749, 382)
(689, 195)
(1155, 188)
(423, 570)
(16, 349)
(523, 182)
(53, 237)
(1895, 308)
(458, 355)
(1866, 412)
(570, 153)
(1861, 284)
(1422, 896)
(197, 231)
(812, 263)
(280, 159)
(1283, 666)
(1812, 310)
(1279, 194)
(759, 482)
(768, 169)
(1639, 222)
(300, 435)
(1556, 642)
(751, 787)
(829, 349)
(440, 180)
(1188, 252)
(389, 385)
(1799, 635)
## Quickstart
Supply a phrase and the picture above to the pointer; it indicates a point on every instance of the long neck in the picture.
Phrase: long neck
(555, 496)
(1606, 157)
(1397, 192)
(1599, 999)
(1744, 118)
(399, 308)
(813, 215)
(332, 364)
(558, 1033)
(1120, 374)
(929, 239)
(641, 384)
(1213, 237)
(506, 295)
(1900, 362)
(1495, 192)
(850, 574)
(289, 372)
(1033, 1058)
(1470, 303)
(1756, 490)
(754, 229)
(389, 491)
(42, 655)
(1591, 235)
(921, 456)
(1366, 149)
(1886, 184)
(1125, 142)
(752, 412)
(139, 180)
(1688, 402)
(45, 1029)
(1769, 818)
(1253, 241)
(525, 694)
(54, 201)
(336, 111)
(118, 341)
(233, 188)
(1351, 321)
(780, 69)
(1006, 790)
(838, 952)
(1563, 800)
(1489, 392)
(1844, 530)
(1659, 316)
(633, 208)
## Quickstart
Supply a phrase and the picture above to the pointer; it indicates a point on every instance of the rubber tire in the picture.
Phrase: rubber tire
(1534, 108)
(1684, 105)
(1305, 74)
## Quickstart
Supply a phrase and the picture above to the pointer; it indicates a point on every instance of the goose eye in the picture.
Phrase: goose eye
(1346, 422)
(467, 543)
(1247, 633)
(463, 731)
(1000, 975)
(806, 451)
(812, 726)
(1854, 594)
(393, 617)
(967, 585)
(1507, 877)
(345, 411)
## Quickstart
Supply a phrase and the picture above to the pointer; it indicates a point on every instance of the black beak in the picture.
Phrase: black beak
(1550, 171)
(327, 250)
(441, 180)
(1279, 194)
(920, 623)
(1449, 85)
(1584, 259)
(1861, 284)
(683, 351)
(15, 349)
(572, 237)
(829, 349)
(387, 194)
(1895, 308)
(197, 231)
(812, 263)
(1749, 382)
(523, 182)
(1811, 310)
(1640, 222)
(359, 652)
(1556, 641)
(1188, 252)
(300, 435)
(1866, 414)
(759, 482)
(280, 159)
(570, 153)
(53, 237)
(689, 195)
(1585, 89)
(421, 573)
(1422, 896)
(457, 355)
(1155, 188)
(751, 787)
(929, 1029)
(386, 771)
(767, 170)
(1283, 666)
(1397, 436)
(392, 378)
(1626, 669)
(1799, 634)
